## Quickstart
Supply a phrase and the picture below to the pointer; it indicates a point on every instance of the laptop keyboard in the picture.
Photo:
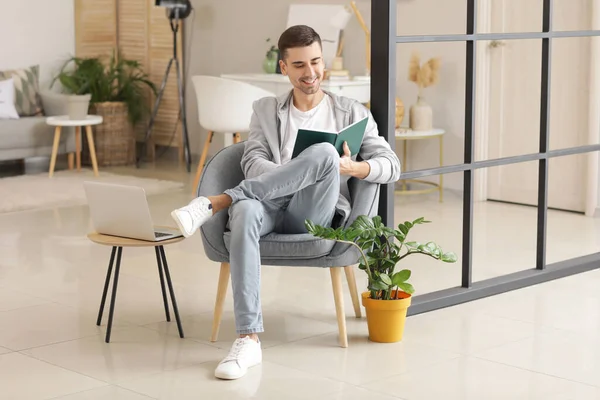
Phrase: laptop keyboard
(161, 234)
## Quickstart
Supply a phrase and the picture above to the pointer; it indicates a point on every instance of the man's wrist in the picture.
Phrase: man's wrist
(361, 169)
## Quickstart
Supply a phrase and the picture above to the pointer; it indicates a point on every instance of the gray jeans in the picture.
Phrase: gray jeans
(279, 201)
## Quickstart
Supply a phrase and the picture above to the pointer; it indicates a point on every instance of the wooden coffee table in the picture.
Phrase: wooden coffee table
(117, 244)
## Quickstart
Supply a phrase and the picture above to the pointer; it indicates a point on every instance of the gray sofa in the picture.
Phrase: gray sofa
(31, 137)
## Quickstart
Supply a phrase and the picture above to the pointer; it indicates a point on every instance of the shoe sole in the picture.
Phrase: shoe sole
(183, 231)
(233, 377)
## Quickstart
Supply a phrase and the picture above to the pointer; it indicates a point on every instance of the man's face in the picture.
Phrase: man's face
(304, 67)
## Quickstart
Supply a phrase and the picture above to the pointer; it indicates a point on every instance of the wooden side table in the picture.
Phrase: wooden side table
(117, 244)
(405, 136)
(63, 120)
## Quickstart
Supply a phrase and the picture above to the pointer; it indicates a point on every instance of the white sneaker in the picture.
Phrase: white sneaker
(192, 216)
(244, 353)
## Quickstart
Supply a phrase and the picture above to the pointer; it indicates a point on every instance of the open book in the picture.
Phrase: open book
(353, 134)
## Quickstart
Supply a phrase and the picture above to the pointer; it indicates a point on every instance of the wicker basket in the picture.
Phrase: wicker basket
(114, 138)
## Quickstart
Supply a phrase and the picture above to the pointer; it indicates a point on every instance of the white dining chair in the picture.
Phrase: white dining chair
(225, 106)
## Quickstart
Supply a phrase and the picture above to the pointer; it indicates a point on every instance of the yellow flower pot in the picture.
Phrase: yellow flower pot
(386, 318)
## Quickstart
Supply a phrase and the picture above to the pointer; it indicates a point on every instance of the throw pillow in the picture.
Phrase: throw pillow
(7, 100)
(27, 99)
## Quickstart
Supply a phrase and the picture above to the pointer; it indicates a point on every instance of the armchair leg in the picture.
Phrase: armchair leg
(221, 294)
(353, 290)
(336, 280)
(209, 138)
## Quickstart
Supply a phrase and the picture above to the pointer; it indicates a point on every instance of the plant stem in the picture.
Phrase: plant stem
(417, 252)
(362, 255)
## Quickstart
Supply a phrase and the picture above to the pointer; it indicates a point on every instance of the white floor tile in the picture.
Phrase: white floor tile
(280, 328)
(105, 393)
(557, 353)
(265, 381)
(132, 352)
(467, 378)
(12, 300)
(24, 378)
(46, 324)
(351, 392)
(323, 356)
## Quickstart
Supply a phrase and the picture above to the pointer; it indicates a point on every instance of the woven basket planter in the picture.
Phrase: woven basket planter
(114, 138)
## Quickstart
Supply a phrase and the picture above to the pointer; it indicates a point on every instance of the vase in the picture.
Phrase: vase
(421, 116)
(270, 62)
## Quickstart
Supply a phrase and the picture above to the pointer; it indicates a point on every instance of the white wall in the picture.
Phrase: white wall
(36, 32)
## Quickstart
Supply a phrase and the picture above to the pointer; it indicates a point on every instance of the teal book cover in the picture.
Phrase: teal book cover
(353, 134)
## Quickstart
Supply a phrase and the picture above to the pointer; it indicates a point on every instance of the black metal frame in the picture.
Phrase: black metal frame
(163, 267)
(383, 90)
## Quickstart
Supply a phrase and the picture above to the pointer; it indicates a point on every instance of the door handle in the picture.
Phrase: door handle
(496, 43)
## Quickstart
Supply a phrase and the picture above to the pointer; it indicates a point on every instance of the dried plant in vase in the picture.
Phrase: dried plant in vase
(423, 75)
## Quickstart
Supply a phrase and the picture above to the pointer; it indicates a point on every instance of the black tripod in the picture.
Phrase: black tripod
(174, 21)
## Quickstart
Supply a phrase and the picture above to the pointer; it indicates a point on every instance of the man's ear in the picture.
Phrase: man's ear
(283, 67)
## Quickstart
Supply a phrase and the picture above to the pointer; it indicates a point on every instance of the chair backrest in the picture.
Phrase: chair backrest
(225, 105)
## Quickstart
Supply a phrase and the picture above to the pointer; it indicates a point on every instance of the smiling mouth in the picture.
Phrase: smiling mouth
(308, 81)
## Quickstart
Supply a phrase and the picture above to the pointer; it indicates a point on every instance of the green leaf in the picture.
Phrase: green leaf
(406, 287)
(403, 229)
(449, 257)
(401, 277)
(408, 224)
(412, 245)
(385, 279)
(378, 285)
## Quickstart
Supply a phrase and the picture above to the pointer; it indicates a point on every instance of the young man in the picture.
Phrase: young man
(279, 193)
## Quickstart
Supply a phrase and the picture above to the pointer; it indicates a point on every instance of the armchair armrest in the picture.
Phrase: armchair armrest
(365, 201)
(222, 172)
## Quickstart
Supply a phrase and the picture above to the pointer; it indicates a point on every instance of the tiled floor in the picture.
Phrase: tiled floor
(537, 343)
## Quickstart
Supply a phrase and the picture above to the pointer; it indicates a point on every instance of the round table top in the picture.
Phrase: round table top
(407, 133)
(108, 240)
(63, 120)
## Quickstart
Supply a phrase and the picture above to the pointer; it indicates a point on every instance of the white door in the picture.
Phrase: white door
(514, 103)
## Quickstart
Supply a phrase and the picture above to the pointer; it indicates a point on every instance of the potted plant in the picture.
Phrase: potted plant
(119, 92)
(389, 292)
(271, 59)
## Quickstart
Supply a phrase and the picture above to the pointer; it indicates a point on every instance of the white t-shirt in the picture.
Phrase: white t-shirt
(320, 117)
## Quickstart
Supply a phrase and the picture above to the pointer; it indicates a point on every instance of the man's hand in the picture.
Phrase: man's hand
(359, 170)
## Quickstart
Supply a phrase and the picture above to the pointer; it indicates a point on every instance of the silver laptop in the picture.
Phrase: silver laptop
(121, 210)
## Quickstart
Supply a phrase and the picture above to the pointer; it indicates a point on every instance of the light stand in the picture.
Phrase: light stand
(175, 13)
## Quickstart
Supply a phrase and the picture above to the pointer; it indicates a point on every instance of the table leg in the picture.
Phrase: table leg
(54, 150)
(78, 147)
(71, 159)
(111, 312)
(162, 283)
(90, 138)
(106, 283)
(171, 291)
(441, 183)
(404, 161)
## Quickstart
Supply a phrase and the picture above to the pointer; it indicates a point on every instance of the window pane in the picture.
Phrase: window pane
(445, 229)
(504, 220)
(509, 16)
(445, 99)
(508, 98)
(572, 15)
(570, 232)
(431, 17)
(572, 92)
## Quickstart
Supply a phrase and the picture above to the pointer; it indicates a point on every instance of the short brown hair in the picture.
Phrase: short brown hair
(297, 36)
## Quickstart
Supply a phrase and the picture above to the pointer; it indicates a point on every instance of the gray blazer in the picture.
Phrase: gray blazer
(262, 150)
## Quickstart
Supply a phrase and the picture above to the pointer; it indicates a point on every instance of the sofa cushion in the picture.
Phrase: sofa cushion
(290, 246)
(26, 132)
(7, 100)
(27, 99)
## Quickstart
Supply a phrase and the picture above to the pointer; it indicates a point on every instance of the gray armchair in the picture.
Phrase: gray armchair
(222, 172)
